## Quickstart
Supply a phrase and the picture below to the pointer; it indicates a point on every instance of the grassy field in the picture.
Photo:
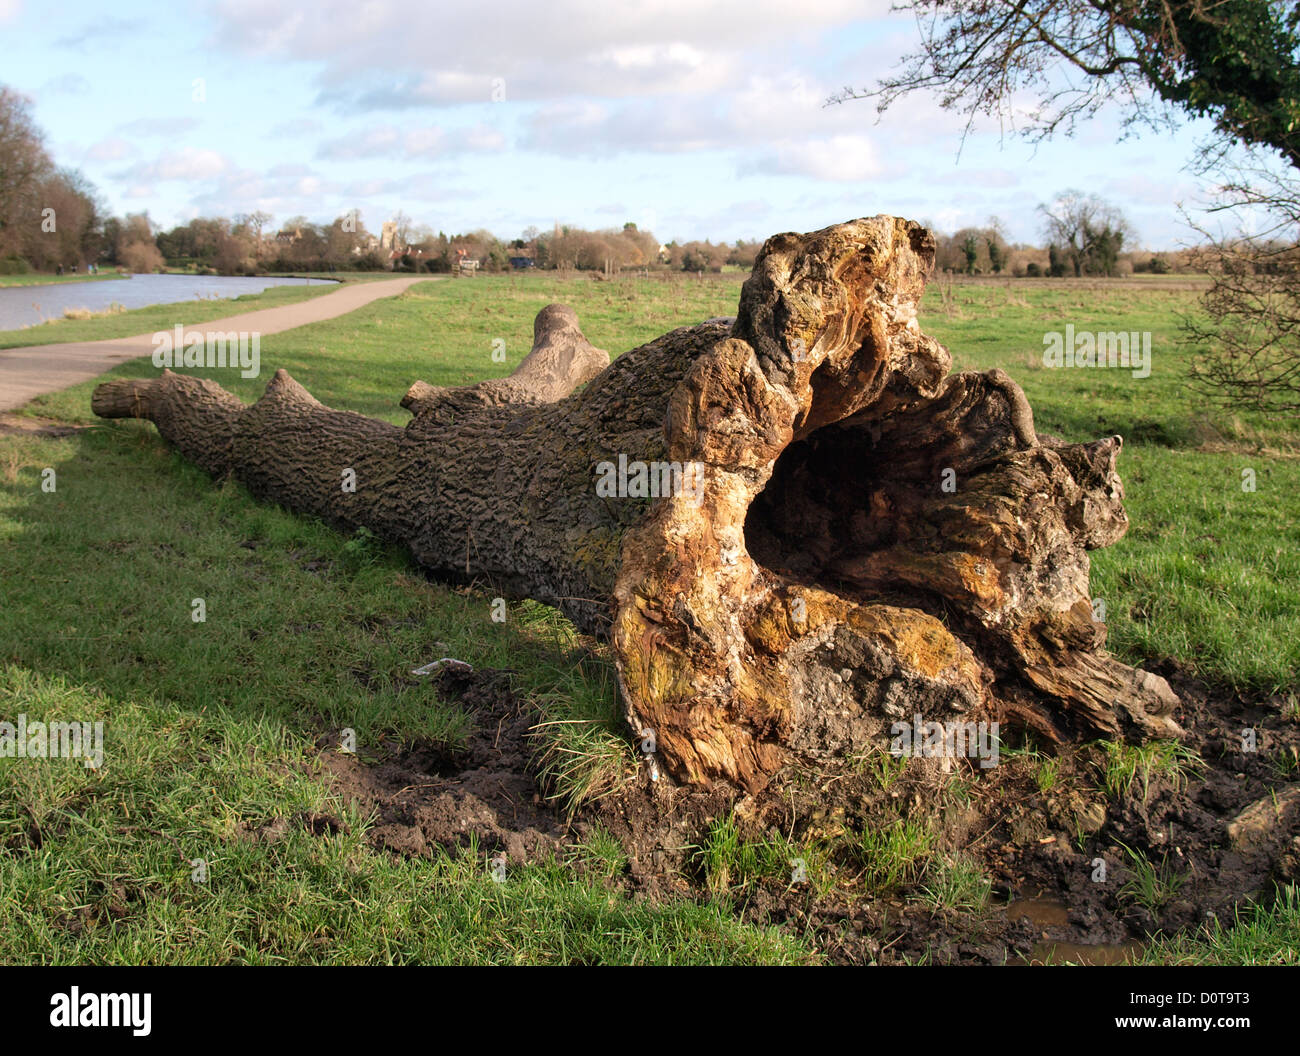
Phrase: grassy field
(211, 726)
(47, 280)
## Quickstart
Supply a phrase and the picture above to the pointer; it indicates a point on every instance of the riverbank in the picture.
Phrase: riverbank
(34, 370)
(32, 306)
(38, 279)
(154, 317)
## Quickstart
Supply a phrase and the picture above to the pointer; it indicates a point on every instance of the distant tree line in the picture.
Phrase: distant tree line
(52, 218)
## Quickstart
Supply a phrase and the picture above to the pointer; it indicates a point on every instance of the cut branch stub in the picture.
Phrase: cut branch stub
(797, 527)
(561, 359)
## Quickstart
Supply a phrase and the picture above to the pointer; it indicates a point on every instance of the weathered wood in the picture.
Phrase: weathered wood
(561, 359)
(852, 537)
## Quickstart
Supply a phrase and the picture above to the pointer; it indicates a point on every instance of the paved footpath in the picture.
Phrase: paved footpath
(37, 369)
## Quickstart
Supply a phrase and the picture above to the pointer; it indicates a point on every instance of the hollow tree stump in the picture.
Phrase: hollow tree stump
(796, 528)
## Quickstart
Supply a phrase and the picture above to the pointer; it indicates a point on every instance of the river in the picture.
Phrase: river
(25, 305)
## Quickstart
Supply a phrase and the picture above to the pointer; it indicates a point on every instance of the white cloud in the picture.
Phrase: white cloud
(112, 149)
(417, 187)
(666, 125)
(839, 159)
(298, 126)
(650, 56)
(402, 53)
(774, 124)
(432, 141)
(374, 142)
(1143, 189)
(67, 84)
(283, 190)
(93, 35)
(158, 126)
(976, 178)
(187, 165)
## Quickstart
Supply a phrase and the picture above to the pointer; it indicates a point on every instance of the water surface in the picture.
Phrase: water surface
(27, 305)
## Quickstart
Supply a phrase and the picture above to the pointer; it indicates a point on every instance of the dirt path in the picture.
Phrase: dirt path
(37, 369)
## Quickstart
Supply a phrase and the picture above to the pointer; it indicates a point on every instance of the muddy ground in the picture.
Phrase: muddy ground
(1050, 901)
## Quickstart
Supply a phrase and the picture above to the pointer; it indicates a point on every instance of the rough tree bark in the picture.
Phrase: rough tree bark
(856, 536)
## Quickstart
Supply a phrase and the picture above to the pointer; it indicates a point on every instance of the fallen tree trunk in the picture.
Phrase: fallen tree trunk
(796, 528)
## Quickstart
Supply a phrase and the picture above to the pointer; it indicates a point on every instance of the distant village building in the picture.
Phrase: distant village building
(414, 253)
(388, 240)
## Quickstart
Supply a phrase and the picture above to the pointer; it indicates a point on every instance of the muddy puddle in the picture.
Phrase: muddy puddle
(1050, 917)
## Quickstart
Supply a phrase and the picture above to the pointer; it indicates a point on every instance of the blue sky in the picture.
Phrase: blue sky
(691, 118)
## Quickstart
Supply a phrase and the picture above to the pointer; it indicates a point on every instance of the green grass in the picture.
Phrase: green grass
(1045, 769)
(1258, 935)
(957, 884)
(101, 866)
(1046, 774)
(883, 766)
(1151, 885)
(1291, 709)
(156, 317)
(601, 854)
(211, 726)
(733, 864)
(1286, 763)
(1124, 766)
(34, 279)
(895, 854)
